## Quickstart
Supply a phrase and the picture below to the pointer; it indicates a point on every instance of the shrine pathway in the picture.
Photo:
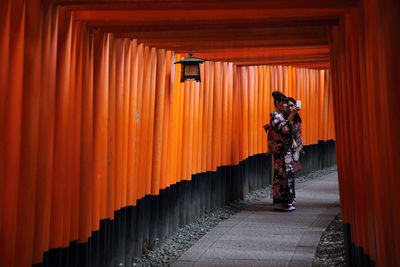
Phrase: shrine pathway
(259, 236)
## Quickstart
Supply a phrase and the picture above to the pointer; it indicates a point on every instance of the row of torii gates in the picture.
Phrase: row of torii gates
(96, 127)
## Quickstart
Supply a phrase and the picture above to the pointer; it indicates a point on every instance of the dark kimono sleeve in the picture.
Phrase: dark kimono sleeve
(280, 124)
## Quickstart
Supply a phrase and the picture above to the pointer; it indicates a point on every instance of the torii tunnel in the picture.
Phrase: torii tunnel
(102, 146)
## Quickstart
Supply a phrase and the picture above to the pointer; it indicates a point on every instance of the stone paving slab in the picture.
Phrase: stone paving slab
(258, 236)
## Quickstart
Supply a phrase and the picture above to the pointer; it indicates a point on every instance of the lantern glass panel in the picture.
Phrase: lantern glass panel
(192, 70)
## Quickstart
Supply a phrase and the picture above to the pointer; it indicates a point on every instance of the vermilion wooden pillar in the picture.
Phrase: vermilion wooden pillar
(92, 122)
(365, 90)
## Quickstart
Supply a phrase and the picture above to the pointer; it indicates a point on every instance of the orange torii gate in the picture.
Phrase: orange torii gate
(94, 120)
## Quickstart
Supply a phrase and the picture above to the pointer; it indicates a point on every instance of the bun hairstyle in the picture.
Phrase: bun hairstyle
(278, 97)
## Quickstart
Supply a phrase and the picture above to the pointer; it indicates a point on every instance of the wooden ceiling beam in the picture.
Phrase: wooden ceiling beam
(205, 17)
(221, 26)
(260, 50)
(245, 32)
(282, 51)
(300, 64)
(214, 41)
(275, 58)
(200, 45)
(233, 33)
(205, 4)
(270, 58)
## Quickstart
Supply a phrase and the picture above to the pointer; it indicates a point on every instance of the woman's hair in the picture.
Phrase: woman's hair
(278, 97)
(297, 116)
(291, 99)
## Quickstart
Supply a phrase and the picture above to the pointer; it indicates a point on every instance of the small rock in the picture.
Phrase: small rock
(330, 251)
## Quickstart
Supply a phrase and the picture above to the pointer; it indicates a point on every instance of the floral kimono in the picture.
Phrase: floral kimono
(296, 133)
(281, 142)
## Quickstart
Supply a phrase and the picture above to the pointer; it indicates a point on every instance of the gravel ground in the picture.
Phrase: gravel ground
(185, 237)
(330, 250)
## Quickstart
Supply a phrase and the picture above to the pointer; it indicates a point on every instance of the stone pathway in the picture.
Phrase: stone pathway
(258, 236)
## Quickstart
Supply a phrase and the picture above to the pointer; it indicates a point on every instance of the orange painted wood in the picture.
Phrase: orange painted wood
(230, 143)
(289, 80)
(174, 125)
(196, 123)
(151, 17)
(113, 123)
(308, 106)
(201, 130)
(119, 112)
(254, 118)
(344, 189)
(30, 129)
(251, 111)
(5, 9)
(374, 230)
(144, 117)
(224, 128)
(206, 121)
(46, 139)
(59, 197)
(217, 117)
(178, 5)
(189, 86)
(185, 129)
(236, 116)
(111, 146)
(180, 114)
(101, 82)
(260, 115)
(166, 155)
(245, 113)
(101, 127)
(158, 122)
(12, 132)
(133, 131)
(125, 119)
(211, 123)
(150, 141)
(76, 115)
(265, 103)
(138, 119)
(86, 166)
(269, 92)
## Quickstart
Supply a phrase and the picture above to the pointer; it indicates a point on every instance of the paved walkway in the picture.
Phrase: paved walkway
(258, 236)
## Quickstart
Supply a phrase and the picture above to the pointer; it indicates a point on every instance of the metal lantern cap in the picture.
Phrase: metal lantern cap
(191, 60)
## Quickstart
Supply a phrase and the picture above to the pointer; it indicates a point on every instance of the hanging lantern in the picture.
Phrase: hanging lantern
(190, 68)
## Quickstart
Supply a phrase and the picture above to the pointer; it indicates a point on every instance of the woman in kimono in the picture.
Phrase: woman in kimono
(283, 183)
(297, 146)
(296, 133)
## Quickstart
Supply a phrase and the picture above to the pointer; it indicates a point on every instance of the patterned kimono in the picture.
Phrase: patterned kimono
(296, 132)
(281, 142)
